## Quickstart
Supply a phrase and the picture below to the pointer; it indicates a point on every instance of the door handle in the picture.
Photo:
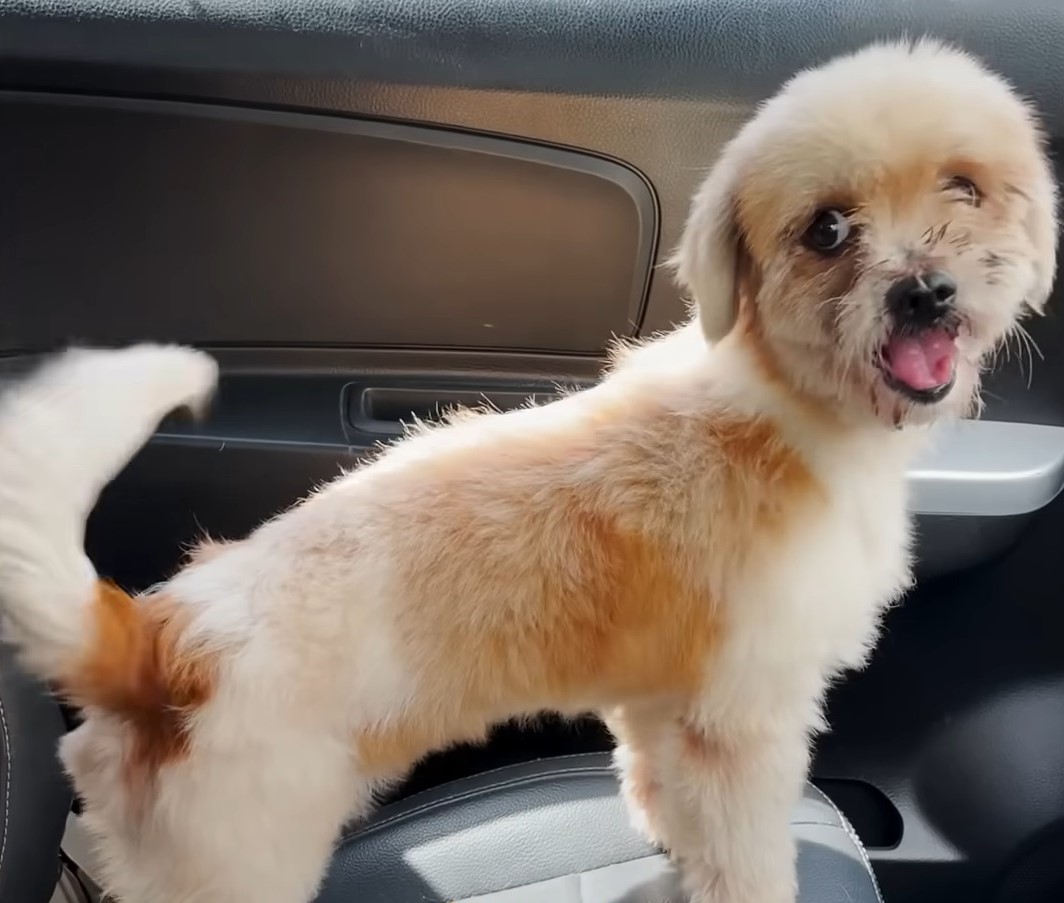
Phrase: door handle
(389, 410)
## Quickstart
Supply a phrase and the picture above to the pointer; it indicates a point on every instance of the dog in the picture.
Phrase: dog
(693, 548)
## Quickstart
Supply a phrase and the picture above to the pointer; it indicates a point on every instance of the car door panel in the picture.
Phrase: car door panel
(261, 227)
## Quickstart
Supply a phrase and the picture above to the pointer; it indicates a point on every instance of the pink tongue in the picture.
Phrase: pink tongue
(923, 361)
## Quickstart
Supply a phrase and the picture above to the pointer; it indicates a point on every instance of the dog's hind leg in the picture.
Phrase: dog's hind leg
(230, 827)
(641, 731)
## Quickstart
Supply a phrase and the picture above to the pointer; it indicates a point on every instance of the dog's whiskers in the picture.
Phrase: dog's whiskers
(1026, 342)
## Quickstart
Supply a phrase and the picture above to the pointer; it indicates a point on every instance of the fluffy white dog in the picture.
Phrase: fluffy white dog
(692, 548)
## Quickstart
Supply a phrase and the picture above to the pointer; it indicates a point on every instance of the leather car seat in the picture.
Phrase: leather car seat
(34, 794)
(554, 831)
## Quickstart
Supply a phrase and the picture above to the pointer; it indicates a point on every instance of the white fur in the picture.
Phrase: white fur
(65, 434)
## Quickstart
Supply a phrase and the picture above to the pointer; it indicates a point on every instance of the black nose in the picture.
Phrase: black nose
(922, 300)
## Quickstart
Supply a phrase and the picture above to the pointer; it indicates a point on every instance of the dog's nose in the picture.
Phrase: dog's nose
(922, 300)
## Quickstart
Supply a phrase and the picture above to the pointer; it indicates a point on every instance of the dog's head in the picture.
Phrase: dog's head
(878, 229)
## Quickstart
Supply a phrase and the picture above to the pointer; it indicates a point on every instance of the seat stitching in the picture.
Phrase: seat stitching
(7, 781)
(605, 769)
(861, 851)
(483, 774)
(471, 793)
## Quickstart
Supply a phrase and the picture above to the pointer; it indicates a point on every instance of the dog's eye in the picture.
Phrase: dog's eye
(829, 232)
(965, 190)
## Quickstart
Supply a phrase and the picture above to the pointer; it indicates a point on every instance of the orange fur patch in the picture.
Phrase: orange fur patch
(758, 457)
(136, 668)
(613, 621)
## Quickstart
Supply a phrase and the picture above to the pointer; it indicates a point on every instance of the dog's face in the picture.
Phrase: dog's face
(879, 229)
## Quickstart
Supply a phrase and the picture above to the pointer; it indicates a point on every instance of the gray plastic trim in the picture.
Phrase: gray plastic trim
(979, 468)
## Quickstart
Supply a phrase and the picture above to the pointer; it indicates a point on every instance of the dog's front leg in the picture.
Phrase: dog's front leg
(734, 792)
(719, 800)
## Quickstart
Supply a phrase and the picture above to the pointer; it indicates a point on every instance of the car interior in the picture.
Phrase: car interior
(373, 210)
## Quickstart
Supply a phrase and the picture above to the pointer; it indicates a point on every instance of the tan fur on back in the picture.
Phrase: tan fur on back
(577, 593)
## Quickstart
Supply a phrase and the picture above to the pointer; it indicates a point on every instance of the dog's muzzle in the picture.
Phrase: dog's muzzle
(919, 358)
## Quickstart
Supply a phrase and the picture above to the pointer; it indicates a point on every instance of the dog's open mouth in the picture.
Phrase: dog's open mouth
(920, 365)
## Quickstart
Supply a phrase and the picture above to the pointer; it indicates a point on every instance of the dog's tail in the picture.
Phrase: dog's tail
(65, 433)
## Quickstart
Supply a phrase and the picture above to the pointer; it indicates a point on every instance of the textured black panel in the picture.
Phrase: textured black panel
(718, 49)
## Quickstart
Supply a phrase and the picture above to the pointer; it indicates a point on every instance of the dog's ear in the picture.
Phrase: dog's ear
(706, 262)
(1042, 228)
